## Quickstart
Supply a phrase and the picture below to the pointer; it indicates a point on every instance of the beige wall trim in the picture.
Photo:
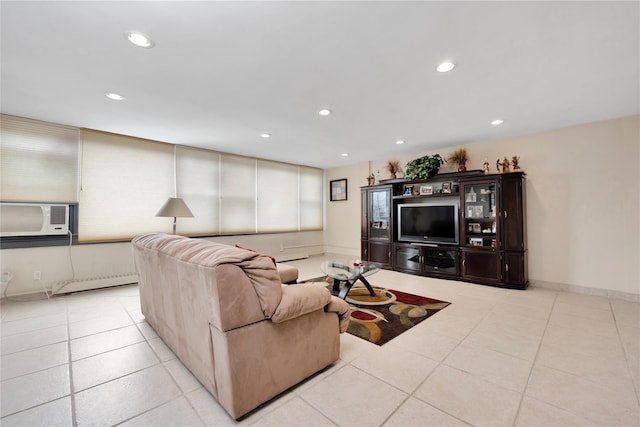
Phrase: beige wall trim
(585, 290)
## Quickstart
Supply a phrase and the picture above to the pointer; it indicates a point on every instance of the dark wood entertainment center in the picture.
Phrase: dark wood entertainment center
(491, 244)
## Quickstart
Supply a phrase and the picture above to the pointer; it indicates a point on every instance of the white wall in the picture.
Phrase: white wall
(92, 265)
(342, 219)
(115, 259)
(583, 203)
(583, 214)
(58, 263)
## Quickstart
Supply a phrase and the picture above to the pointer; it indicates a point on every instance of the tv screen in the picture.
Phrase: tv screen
(428, 223)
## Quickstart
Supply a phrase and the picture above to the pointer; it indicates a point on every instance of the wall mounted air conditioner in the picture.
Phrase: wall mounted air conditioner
(33, 219)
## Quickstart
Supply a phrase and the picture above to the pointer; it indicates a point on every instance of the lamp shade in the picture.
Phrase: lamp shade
(175, 207)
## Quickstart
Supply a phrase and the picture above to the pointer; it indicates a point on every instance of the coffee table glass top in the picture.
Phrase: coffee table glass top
(349, 270)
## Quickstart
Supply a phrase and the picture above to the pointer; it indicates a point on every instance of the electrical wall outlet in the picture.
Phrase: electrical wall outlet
(37, 275)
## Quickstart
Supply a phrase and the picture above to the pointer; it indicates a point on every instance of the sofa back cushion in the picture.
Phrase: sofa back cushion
(242, 286)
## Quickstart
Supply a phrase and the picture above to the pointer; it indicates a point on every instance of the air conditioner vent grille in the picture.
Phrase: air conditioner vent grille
(58, 215)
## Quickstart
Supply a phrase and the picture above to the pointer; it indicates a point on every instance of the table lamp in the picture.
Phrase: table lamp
(174, 207)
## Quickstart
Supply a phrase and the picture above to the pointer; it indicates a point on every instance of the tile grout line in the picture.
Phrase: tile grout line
(160, 362)
(624, 351)
(520, 413)
(74, 420)
(535, 358)
(299, 395)
(72, 394)
(441, 363)
(533, 365)
(163, 363)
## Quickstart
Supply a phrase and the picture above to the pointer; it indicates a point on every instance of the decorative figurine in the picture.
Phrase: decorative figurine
(514, 162)
(372, 179)
(504, 164)
(485, 167)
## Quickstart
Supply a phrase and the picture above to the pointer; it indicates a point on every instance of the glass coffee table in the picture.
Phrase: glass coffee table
(349, 272)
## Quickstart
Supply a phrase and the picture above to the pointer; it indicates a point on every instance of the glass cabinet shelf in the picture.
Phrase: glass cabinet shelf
(380, 216)
(479, 213)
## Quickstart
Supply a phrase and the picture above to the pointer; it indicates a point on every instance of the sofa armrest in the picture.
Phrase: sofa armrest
(298, 300)
(288, 273)
(342, 309)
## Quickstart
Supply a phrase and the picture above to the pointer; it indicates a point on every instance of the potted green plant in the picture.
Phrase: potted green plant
(423, 167)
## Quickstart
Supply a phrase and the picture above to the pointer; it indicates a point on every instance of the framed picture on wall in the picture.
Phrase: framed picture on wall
(338, 189)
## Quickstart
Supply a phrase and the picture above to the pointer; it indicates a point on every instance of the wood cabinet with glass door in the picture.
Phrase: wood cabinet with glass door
(376, 224)
(492, 234)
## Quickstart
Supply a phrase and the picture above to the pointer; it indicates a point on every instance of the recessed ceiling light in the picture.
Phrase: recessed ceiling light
(139, 39)
(265, 135)
(324, 112)
(399, 142)
(344, 154)
(114, 96)
(497, 122)
(445, 67)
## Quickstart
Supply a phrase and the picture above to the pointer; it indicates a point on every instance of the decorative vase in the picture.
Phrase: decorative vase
(462, 167)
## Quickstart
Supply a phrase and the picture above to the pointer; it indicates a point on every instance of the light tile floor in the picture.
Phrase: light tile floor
(494, 357)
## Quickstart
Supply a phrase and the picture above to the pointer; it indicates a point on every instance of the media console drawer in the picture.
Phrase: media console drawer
(437, 260)
(427, 260)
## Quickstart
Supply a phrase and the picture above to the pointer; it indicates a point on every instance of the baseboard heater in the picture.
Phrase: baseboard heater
(89, 283)
(291, 257)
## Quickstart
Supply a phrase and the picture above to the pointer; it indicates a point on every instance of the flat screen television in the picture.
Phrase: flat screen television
(431, 222)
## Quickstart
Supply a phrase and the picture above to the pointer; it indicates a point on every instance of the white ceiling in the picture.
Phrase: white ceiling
(222, 73)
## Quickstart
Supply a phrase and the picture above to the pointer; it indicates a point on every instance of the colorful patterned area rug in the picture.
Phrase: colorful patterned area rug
(381, 318)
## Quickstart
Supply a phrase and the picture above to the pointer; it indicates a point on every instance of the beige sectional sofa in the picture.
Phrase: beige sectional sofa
(224, 312)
